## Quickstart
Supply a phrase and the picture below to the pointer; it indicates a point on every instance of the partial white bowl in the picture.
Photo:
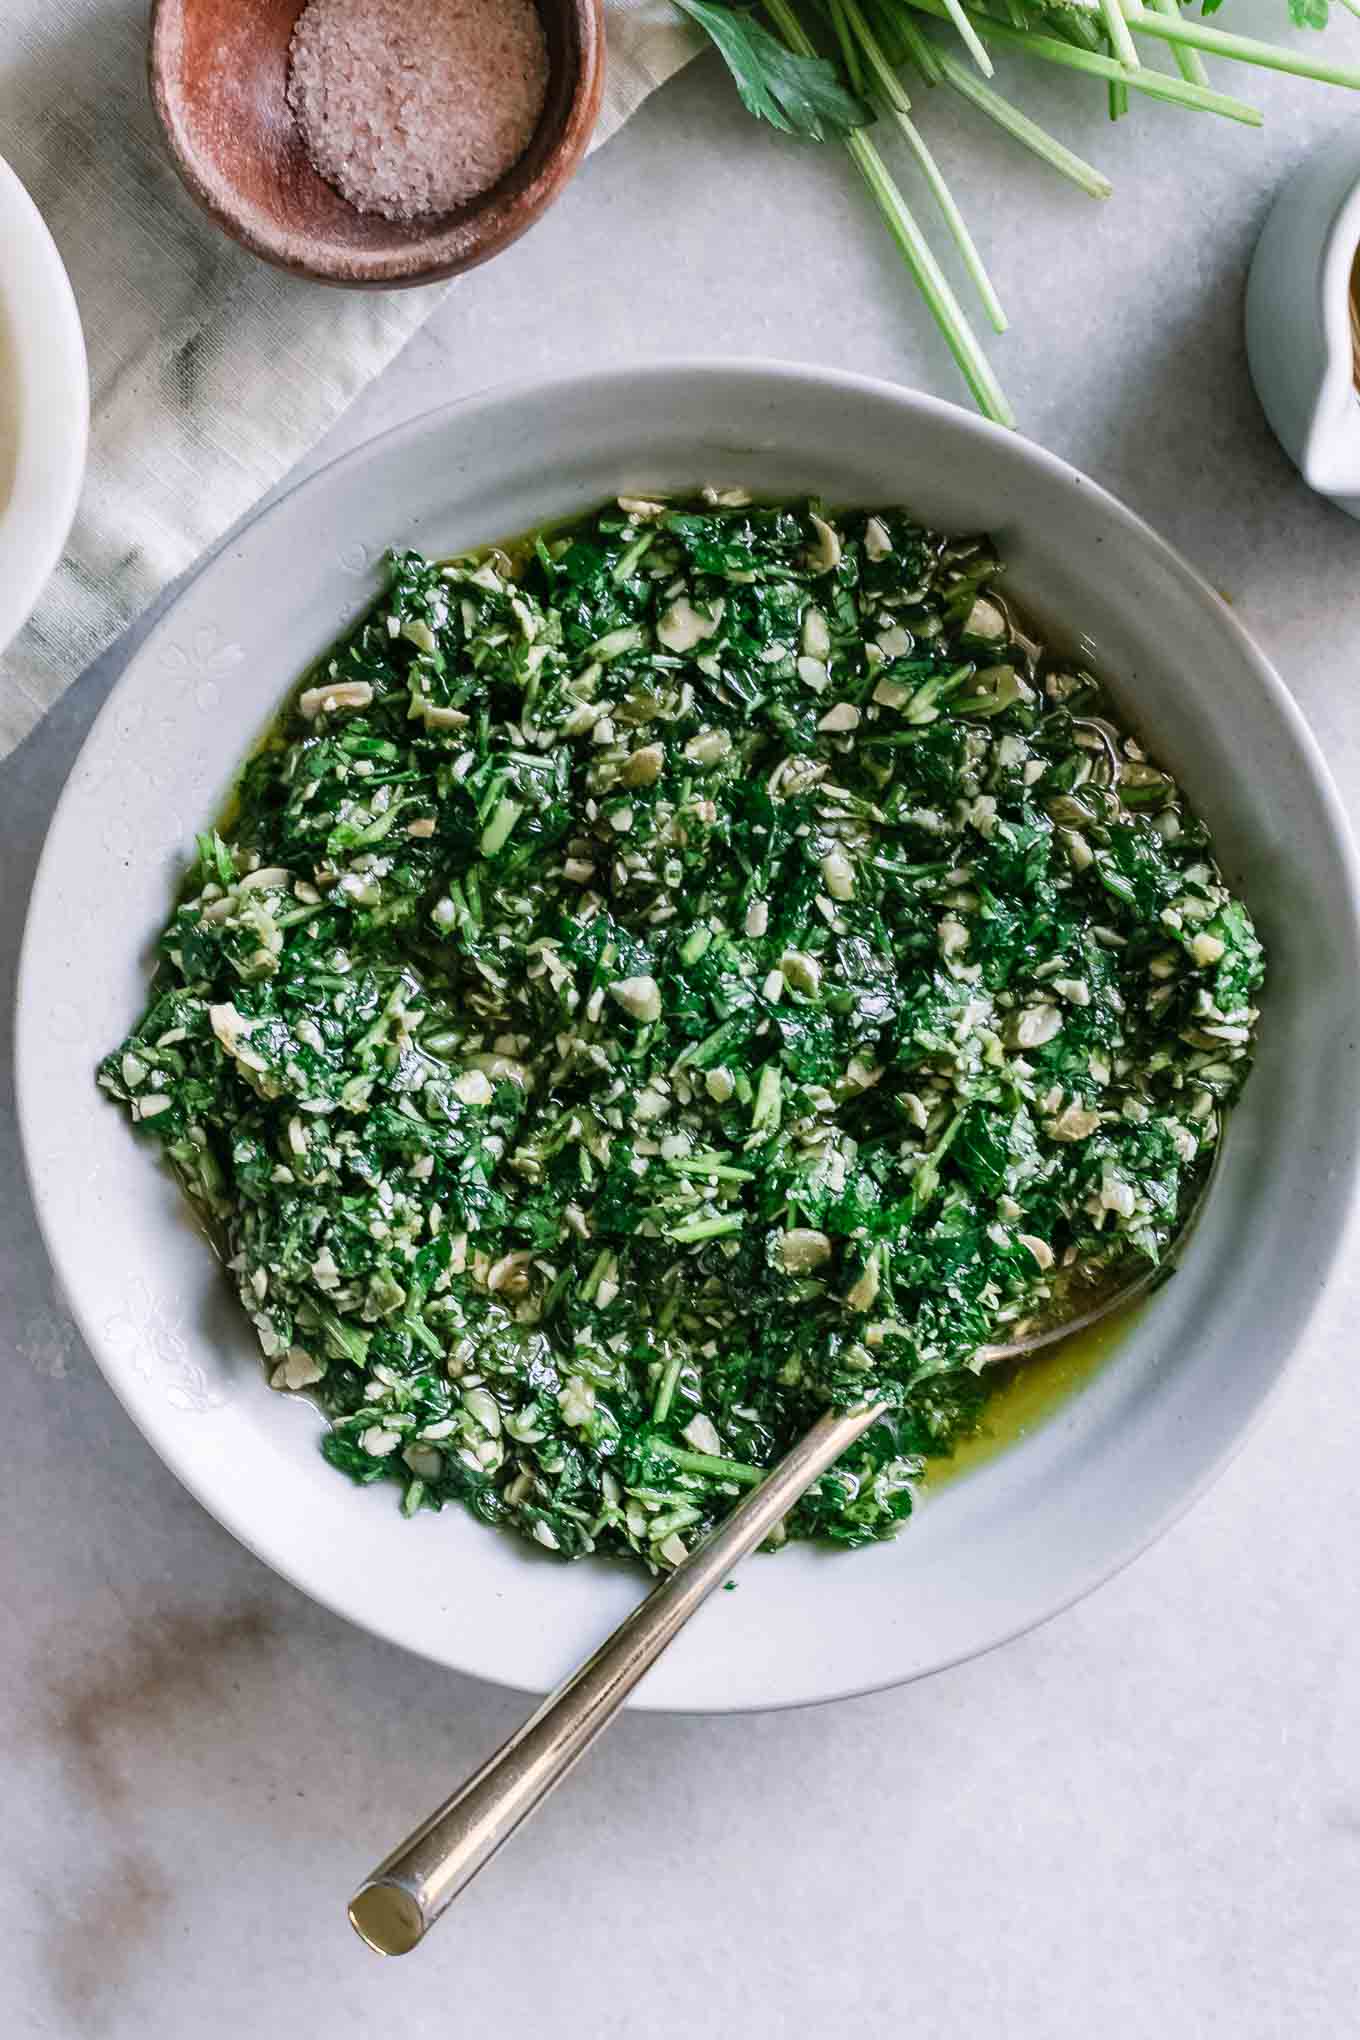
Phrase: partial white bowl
(44, 405)
(987, 1555)
(1299, 345)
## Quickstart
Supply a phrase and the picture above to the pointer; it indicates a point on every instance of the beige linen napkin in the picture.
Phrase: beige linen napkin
(211, 374)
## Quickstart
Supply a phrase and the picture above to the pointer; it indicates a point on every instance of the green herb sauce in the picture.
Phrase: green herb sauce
(708, 965)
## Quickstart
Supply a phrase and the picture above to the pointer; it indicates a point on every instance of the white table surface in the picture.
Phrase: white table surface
(1143, 1819)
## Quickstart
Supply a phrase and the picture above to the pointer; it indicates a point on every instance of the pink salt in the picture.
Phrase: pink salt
(416, 106)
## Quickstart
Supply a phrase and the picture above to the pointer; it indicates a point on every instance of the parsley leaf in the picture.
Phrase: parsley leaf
(799, 95)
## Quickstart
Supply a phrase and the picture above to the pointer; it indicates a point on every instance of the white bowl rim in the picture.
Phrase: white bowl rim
(1345, 1209)
(49, 345)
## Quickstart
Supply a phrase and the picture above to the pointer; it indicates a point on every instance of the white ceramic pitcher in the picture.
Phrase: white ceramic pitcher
(1299, 342)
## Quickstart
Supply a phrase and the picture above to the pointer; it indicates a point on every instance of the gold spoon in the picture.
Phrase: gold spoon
(396, 1906)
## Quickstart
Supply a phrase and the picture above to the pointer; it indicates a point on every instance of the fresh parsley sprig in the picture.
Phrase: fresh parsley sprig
(797, 86)
(799, 95)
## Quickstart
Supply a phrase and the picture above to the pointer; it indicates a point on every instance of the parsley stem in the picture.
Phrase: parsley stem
(1049, 50)
(854, 70)
(1189, 62)
(968, 35)
(706, 1051)
(911, 244)
(703, 1165)
(1072, 25)
(768, 1107)
(706, 1228)
(895, 42)
(903, 40)
(1244, 49)
(890, 89)
(496, 834)
(709, 1462)
(597, 1273)
(1121, 42)
(954, 220)
(666, 1389)
(902, 37)
(626, 561)
(1026, 131)
(931, 281)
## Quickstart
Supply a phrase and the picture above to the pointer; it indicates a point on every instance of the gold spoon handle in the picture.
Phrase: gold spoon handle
(400, 1902)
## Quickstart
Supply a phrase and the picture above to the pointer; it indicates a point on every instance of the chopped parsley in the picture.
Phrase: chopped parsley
(710, 964)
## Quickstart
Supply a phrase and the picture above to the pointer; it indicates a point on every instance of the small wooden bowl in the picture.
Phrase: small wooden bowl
(219, 72)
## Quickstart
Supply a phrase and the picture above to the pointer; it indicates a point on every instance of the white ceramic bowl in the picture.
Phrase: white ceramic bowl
(44, 404)
(989, 1554)
(1299, 345)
